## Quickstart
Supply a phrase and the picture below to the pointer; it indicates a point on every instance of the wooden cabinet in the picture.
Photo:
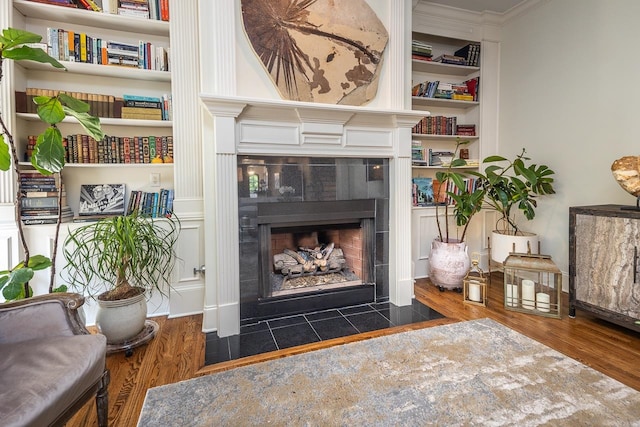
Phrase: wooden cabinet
(604, 273)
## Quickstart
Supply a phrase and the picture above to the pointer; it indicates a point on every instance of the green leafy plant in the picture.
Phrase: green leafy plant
(466, 203)
(509, 184)
(121, 256)
(48, 155)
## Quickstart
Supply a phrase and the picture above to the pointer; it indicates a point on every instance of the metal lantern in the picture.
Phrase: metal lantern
(532, 284)
(474, 286)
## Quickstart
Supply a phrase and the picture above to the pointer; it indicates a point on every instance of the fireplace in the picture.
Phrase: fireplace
(271, 151)
(315, 255)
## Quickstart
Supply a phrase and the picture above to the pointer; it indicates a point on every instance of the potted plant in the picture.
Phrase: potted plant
(510, 186)
(48, 156)
(449, 260)
(119, 261)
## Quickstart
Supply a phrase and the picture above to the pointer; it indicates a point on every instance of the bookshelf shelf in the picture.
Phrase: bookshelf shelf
(110, 165)
(451, 138)
(440, 68)
(107, 121)
(472, 167)
(439, 102)
(119, 72)
(92, 19)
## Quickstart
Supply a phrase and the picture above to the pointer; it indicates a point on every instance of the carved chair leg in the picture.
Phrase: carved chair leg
(102, 400)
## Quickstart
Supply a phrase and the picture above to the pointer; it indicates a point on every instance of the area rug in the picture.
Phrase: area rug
(470, 373)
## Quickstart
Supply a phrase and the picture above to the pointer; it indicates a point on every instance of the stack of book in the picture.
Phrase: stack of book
(66, 3)
(421, 51)
(151, 9)
(39, 199)
(466, 130)
(450, 59)
(153, 205)
(471, 53)
(137, 8)
(120, 53)
(418, 156)
(142, 107)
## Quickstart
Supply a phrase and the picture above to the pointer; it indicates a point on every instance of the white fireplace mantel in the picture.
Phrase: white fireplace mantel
(274, 127)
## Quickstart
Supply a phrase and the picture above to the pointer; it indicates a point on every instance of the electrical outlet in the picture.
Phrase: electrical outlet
(154, 179)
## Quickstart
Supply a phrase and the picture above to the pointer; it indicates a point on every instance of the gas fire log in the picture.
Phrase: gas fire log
(309, 261)
(281, 261)
(308, 266)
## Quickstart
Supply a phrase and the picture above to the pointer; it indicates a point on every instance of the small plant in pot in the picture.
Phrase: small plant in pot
(512, 186)
(449, 260)
(120, 261)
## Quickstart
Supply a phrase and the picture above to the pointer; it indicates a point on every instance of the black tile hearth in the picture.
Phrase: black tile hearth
(276, 334)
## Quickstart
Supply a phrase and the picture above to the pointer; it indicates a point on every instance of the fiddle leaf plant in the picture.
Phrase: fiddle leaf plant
(514, 184)
(464, 202)
(48, 156)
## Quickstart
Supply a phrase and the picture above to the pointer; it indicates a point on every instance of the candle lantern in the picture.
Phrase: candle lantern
(474, 286)
(532, 284)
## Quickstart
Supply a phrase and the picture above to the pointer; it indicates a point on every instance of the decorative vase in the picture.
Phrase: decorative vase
(502, 244)
(448, 264)
(121, 320)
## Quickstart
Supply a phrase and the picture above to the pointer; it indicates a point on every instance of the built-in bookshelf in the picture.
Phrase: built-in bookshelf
(92, 77)
(447, 86)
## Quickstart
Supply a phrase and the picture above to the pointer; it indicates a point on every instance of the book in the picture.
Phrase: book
(65, 3)
(102, 199)
(470, 53)
(422, 191)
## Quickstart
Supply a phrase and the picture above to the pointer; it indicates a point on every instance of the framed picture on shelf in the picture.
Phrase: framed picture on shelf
(102, 199)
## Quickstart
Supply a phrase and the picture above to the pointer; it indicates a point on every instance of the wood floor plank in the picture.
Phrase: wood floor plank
(177, 352)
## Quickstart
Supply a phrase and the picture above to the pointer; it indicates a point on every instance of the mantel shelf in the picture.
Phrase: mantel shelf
(306, 112)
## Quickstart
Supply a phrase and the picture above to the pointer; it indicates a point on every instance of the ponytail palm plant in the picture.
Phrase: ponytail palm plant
(122, 256)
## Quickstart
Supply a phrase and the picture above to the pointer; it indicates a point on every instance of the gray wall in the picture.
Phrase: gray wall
(569, 93)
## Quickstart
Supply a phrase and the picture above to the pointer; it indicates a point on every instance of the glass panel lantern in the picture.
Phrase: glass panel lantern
(474, 286)
(532, 284)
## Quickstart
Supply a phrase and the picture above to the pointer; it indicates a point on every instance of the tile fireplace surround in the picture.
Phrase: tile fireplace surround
(367, 152)
(325, 197)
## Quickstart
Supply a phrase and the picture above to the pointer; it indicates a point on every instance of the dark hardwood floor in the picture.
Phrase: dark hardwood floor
(177, 352)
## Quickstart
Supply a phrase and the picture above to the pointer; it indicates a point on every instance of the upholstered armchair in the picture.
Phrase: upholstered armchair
(50, 365)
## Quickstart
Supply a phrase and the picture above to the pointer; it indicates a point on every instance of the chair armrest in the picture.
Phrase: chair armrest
(42, 316)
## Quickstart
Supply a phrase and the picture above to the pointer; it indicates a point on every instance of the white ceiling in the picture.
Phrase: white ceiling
(498, 6)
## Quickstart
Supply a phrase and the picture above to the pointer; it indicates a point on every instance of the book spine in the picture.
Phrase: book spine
(145, 150)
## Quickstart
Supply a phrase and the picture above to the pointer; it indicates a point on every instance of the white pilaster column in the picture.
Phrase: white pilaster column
(187, 123)
(400, 275)
(222, 290)
(399, 55)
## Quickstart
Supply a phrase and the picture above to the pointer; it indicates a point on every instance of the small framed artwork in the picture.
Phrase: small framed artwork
(102, 199)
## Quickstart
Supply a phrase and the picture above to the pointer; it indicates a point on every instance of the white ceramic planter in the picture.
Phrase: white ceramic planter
(121, 320)
(448, 264)
(502, 244)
